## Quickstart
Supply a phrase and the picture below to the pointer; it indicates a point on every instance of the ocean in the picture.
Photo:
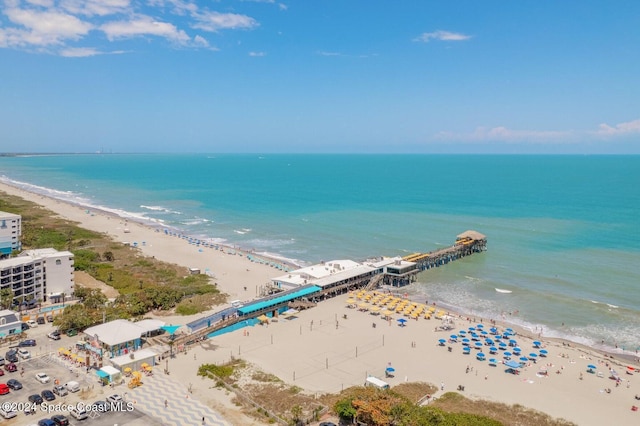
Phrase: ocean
(563, 231)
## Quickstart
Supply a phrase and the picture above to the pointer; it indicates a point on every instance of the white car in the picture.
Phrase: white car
(78, 412)
(32, 323)
(115, 398)
(42, 378)
(7, 413)
(24, 354)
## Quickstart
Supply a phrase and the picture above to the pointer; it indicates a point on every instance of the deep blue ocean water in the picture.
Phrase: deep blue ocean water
(563, 231)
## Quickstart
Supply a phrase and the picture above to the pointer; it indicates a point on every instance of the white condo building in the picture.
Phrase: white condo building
(10, 233)
(42, 274)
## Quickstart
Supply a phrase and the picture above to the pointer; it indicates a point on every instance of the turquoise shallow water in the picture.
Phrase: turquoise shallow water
(563, 231)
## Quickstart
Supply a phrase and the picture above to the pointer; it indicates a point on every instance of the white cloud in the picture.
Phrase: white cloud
(43, 28)
(625, 128)
(504, 134)
(141, 26)
(214, 21)
(43, 3)
(95, 7)
(79, 52)
(442, 35)
(200, 41)
(257, 54)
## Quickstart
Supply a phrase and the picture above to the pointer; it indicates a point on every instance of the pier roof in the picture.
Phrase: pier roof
(474, 235)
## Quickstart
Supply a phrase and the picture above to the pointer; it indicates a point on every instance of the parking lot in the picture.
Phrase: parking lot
(44, 359)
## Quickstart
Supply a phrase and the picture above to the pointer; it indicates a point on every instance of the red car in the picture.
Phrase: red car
(1, 372)
(4, 389)
(11, 367)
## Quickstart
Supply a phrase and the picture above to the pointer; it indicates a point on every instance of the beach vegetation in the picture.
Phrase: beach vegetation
(377, 407)
(6, 298)
(296, 414)
(222, 371)
(144, 283)
(503, 413)
(261, 376)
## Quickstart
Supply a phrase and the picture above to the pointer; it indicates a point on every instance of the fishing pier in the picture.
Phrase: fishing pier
(304, 287)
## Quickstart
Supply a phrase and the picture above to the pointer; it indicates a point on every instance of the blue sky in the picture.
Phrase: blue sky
(320, 76)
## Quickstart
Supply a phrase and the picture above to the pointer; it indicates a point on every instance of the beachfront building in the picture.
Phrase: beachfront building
(9, 323)
(10, 233)
(396, 271)
(120, 337)
(37, 275)
(336, 274)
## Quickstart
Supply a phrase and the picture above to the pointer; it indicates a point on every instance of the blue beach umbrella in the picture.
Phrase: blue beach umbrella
(462, 332)
(507, 355)
(524, 359)
(478, 344)
(513, 342)
(454, 337)
(480, 356)
(502, 345)
(488, 341)
(512, 364)
(493, 362)
(479, 326)
(442, 342)
(402, 321)
(533, 355)
(472, 329)
(493, 350)
(466, 350)
(484, 333)
(465, 341)
(536, 344)
(543, 352)
(493, 330)
(517, 350)
(390, 370)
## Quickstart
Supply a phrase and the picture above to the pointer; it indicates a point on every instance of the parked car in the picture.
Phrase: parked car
(55, 335)
(42, 378)
(25, 326)
(32, 323)
(72, 332)
(46, 422)
(7, 413)
(28, 342)
(4, 389)
(24, 354)
(14, 384)
(12, 355)
(40, 320)
(1, 361)
(101, 406)
(47, 395)
(60, 390)
(35, 399)
(11, 367)
(78, 412)
(60, 420)
(1, 372)
(115, 398)
(49, 318)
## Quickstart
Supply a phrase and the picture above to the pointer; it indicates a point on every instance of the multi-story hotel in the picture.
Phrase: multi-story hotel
(38, 275)
(10, 232)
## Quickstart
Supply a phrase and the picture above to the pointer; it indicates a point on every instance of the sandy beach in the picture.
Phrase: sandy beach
(321, 351)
